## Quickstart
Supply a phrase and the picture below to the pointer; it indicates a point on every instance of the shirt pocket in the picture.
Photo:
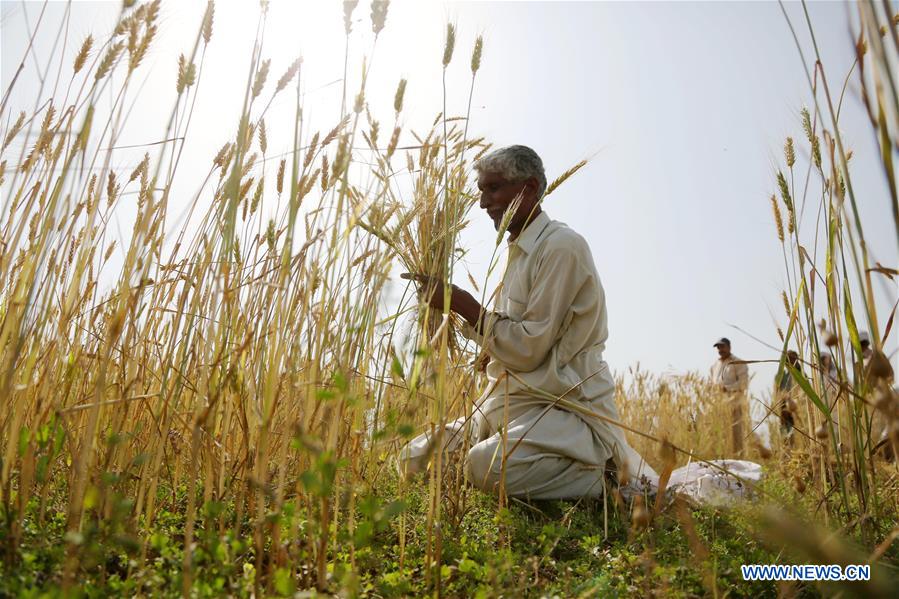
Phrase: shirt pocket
(515, 308)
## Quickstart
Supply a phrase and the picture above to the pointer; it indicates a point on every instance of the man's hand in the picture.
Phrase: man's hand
(431, 291)
(481, 362)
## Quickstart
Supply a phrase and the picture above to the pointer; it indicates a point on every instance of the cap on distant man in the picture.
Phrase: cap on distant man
(722, 341)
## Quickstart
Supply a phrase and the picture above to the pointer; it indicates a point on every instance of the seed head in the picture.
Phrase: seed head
(841, 187)
(563, 177)
(778, 219)
(187, 74)
(14, 130)
(397, 99)
(220, 157)
(261, 75)
(257, 197)
(108, 59)
(270, 235)
(861, 47)
(341, 157)
(152, 11)
(244, 189)
(394, 140)
(449, 45)
(81, 57)
(784, 190)
(332, 134)
(91, 188)
(324, 170)
(137, 171)
(263, 137)
(140, 49)
(373, 133)
(207, 21)
(279, 182)
(288, 75)
(310, 151)
(789, 152)
(306, 184)
(378, 15)
(812, 138)
(348, 7)
(476, 54)
(112, 190)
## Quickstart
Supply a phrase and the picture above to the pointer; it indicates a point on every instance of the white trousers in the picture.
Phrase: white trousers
(538, 447)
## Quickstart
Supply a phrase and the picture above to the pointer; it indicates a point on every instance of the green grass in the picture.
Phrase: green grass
(551, 548)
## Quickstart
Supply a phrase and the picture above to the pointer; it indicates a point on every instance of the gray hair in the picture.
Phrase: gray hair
(515, 163)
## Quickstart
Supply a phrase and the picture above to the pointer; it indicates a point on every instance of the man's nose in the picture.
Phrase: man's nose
(484, 201)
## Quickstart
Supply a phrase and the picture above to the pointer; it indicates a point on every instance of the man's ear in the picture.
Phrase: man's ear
(532, 185)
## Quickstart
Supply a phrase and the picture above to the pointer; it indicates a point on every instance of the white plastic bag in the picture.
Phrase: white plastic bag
(718, 482)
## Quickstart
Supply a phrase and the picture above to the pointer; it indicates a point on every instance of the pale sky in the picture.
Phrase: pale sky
(684, 107)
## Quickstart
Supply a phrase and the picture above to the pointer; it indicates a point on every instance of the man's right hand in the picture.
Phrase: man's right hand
(461, 302)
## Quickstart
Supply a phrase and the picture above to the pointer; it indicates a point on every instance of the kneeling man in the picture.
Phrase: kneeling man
(541, 429)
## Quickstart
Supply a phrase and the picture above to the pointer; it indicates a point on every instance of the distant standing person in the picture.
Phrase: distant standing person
(731, 375)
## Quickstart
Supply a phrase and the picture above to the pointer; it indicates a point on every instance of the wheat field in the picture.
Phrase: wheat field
(212, 409)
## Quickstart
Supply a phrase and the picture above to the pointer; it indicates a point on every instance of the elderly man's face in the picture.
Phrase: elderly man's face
(723, 350)
(497, 194)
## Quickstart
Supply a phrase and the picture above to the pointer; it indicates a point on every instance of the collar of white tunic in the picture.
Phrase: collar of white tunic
(527, 239)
